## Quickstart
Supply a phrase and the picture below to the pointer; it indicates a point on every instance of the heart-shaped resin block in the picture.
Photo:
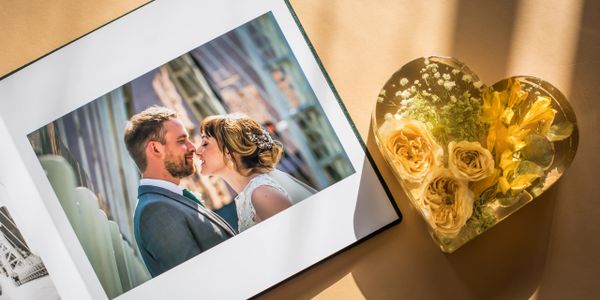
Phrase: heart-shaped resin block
(467, 154)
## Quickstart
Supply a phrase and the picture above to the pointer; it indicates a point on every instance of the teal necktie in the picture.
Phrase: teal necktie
(189, 194)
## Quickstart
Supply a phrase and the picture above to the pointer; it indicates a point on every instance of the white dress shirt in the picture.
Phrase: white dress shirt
(162, 184)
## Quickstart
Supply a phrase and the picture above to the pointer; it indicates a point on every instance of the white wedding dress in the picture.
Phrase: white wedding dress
(295, 190)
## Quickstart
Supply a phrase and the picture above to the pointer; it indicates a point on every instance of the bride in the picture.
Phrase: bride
(237, 149)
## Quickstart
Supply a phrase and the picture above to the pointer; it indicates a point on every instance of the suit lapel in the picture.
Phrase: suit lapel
(215, 218)
(219, 219)
(145, 189)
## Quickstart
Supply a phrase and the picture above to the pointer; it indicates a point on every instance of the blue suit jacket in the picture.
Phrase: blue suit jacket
(170, 228)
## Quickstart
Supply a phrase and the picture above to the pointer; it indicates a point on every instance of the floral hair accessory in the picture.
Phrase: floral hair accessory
(262, 141)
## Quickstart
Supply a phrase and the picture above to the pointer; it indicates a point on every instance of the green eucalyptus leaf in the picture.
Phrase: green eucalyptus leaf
(559, 132)
(488, 195)
(508, 201)
(538, 150)
(519, 197)
(529, 168)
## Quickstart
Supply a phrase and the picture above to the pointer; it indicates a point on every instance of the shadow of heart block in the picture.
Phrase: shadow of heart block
(468, 155)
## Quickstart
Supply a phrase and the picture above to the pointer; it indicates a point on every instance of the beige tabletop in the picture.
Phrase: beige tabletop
(550, 249)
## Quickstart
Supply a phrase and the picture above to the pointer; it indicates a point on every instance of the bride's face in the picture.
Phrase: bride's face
(213, 159)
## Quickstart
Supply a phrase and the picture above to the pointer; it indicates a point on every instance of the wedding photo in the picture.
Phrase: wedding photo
(190, 154)
(23, 274)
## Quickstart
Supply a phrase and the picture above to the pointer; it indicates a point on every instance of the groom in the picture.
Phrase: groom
(170, 224)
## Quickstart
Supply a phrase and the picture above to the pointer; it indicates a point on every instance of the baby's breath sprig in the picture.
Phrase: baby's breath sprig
(442, 100)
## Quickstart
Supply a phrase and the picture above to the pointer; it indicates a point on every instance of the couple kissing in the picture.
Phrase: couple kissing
(170, 224)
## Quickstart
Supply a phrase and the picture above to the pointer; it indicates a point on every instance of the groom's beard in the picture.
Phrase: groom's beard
(179, 168)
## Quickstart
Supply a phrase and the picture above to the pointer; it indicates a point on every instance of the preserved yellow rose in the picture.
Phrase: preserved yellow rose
(447, 201)
(470, 161)
(413, 150)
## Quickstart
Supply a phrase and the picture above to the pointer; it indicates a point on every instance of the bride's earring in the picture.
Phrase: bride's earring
(229, 162)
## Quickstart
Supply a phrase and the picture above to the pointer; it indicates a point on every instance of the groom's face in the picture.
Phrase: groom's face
(179, 150)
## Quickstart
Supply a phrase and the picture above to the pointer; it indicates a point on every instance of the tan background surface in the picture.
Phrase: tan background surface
(550, 249)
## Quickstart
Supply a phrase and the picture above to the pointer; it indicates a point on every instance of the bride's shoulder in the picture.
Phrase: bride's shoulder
(266, 198)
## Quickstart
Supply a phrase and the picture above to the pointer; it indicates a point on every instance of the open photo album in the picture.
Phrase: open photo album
(186, 150)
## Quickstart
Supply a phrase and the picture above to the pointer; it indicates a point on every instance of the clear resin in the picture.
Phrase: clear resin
(467, 154)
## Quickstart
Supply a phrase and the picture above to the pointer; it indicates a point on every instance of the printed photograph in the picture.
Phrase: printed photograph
(22, 273)
(190, 154)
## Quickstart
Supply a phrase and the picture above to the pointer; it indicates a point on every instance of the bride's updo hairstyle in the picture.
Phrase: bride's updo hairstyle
(250, 145)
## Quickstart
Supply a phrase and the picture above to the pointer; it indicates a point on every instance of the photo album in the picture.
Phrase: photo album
(185, 150)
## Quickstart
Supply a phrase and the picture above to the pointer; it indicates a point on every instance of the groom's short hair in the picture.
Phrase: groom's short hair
(144, 127)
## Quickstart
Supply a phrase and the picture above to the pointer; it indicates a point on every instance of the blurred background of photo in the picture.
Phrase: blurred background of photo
(251, 70)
